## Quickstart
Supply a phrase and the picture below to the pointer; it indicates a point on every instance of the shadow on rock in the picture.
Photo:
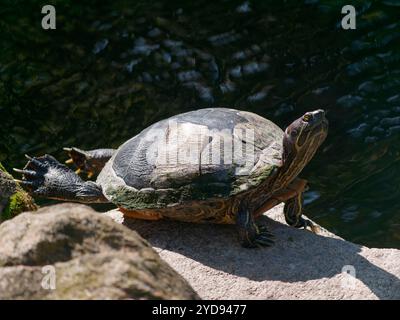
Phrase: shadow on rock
(297, 256)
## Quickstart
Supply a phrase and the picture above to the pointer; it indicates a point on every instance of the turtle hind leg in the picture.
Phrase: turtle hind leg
(251, 235)
(90, 162)
(46, 177)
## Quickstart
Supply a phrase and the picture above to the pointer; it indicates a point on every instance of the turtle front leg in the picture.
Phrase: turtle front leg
(293, 213)
(90, 162)
(46, 177)
(251, 235)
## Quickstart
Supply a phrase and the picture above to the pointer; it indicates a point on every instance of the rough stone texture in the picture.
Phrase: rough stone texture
(7, 188)
(93, 257)
(13, 199)
(301, 265)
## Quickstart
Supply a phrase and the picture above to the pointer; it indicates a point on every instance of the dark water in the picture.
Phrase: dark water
(109, 70)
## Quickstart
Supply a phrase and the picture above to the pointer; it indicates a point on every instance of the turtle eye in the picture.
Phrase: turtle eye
(293, 133)
(307, 117)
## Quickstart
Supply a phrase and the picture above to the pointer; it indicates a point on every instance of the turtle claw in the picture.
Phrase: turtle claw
(261, 238)
(90, 162)
(305, 224)
(34, 171)
(25, 173)
(76, 156)
(23, 182)
(33, 161)
(315, 229)
(80, 159)
(39, 163)
(251, 234)
(264, 230)
(264, 239)
(263, 243)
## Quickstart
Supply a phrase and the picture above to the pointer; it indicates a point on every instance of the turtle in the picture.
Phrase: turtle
(213, 165)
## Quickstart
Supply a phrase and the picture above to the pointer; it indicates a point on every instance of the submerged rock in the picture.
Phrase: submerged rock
(69, 251)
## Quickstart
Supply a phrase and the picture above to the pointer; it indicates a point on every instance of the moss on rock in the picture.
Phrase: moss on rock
(2, 168)
(13, 199)
(18, 202)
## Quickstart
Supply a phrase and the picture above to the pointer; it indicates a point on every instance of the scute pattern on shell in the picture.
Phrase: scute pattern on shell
(138, 177)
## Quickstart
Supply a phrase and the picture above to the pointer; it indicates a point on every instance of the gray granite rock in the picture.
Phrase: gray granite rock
(301, 265)
(7, 188)
(89, 255)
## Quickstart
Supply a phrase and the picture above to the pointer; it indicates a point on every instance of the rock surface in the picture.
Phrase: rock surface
(13, 199)
(301, 265)
(92, 256)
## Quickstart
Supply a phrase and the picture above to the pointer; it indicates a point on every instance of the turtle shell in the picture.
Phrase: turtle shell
(194, 156)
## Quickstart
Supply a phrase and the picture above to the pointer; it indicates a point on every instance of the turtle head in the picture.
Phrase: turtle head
(300, 142)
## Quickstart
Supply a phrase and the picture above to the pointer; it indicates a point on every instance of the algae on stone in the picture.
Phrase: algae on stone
(13, 199)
